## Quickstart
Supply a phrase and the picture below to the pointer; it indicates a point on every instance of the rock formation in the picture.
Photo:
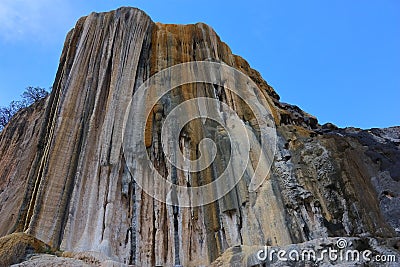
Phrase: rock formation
(64, 177)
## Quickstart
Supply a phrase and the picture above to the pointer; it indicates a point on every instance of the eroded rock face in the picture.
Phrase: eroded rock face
(66, 182)
(17, 246)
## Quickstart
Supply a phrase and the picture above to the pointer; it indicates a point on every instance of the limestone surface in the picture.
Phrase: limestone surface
(64, 177)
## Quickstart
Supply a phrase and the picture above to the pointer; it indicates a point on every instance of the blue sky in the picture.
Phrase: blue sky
(338, 60)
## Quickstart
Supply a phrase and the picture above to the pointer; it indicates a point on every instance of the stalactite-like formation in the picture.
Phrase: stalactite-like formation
(65, 180)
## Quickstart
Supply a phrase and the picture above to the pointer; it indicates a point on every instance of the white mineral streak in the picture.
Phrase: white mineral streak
(97, 90)
(65, 177)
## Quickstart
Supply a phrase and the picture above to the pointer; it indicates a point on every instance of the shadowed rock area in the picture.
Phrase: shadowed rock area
(64, 178)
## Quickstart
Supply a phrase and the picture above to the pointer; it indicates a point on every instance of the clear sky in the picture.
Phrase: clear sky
(338, 60)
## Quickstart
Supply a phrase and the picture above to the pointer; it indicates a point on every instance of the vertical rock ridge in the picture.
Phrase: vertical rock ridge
(65, 153)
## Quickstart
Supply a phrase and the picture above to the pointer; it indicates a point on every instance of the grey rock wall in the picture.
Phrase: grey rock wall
(65, 178)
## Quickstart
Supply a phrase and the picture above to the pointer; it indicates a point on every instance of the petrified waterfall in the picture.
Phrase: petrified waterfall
(66, 179)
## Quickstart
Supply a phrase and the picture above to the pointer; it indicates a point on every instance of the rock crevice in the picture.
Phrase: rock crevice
(66, 180)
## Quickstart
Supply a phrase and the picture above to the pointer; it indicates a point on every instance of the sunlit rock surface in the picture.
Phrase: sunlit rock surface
(64, 180)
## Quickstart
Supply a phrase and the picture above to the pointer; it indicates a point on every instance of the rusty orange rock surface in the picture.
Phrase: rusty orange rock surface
(64, 179)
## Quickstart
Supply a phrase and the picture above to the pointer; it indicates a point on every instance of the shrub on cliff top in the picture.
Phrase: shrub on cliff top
(29, 96)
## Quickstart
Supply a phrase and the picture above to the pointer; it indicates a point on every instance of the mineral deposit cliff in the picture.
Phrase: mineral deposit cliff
(64, 180)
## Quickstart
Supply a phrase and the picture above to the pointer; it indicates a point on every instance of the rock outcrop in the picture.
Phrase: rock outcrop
(64, 176)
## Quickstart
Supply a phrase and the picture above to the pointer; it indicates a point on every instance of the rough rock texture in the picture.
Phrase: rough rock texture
(247, 255)
(17, 246)
(64, 178)
(51, 260)
(70, 259)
